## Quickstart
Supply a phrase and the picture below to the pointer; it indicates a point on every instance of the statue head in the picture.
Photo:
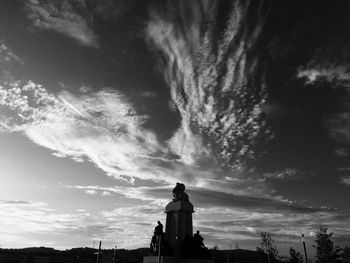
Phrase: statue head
(179, 193)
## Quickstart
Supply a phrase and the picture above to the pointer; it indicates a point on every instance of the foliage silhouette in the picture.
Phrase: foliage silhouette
(346, 254)
(294, 256)
(326, 251)
(267, 246)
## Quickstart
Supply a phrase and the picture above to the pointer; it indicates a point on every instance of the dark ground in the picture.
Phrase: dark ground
(87, 255)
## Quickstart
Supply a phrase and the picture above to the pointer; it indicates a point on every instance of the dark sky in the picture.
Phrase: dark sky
(105, 105)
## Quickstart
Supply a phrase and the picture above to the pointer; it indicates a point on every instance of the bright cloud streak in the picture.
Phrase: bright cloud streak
(83, 227)
(346, 180)
(102, 126)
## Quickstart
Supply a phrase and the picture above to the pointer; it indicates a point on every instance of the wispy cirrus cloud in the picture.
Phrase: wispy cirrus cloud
(286, 174)
(345, 180)
(213, 76)
(70, 18)
(22, 203)
(91, 192)
(205, 198)
(75, 19)
(336, 74)
(7, 55)
(102, 126)
(329, 72)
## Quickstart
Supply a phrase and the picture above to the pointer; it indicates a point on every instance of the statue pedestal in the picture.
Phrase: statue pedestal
(179, 241)
(178, 224)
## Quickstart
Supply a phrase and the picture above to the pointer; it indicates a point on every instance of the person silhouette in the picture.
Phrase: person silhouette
(198, 239)
(158, 230)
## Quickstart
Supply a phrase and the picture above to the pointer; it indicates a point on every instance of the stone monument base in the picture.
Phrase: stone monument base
(165, 259)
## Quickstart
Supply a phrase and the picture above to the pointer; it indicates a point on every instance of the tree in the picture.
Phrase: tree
(268, 246)
(295, 257)
(346, 254)
(326, 251)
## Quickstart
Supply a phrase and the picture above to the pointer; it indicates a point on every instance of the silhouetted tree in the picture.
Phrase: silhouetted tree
(346, 254)
(267, 246)
(326, 252)
(295, 257)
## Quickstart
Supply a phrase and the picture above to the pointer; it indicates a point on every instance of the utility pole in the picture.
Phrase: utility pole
(302, 239)
(115, 251)
(159, 247)
(228, 252)
(98, 253)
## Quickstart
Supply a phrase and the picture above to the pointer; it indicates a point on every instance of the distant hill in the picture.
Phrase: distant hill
(237, 256)
(88, 255)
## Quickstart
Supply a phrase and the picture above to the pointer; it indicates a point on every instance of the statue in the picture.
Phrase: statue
(193, 247)
(158, 235)
(177, 243)
(158, 230)
(179, 193)
(198, 240)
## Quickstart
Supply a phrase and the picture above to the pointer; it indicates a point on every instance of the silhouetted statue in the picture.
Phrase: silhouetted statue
(158, 230)
(158, 235)
(198, 240)
(193, 247)
(179, 193)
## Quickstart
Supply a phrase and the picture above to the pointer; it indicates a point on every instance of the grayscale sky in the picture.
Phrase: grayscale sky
(105, 105)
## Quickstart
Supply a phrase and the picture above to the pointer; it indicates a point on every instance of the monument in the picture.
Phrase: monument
(178, 244)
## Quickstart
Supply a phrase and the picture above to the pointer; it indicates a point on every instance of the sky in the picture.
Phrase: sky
(105, 105)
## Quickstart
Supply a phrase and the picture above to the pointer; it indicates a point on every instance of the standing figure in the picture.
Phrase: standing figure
(198, 240)
(157, 236)
(158, 230)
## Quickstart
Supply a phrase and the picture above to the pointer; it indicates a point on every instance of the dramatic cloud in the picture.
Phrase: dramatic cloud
(330, 73)
(346, 180)
(238, 216)
(75, 19)
(212, 70)
(337, 75)
(105, 128)
(70, 18)
(7, 55)
(287, 174)
(204, 198)
(102, 126)
(258, 129)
